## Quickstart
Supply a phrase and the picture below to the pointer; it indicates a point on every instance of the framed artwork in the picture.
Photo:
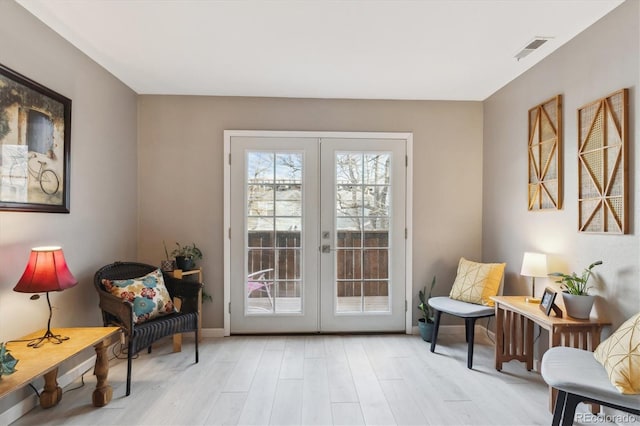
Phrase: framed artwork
(547, 303)
(603, 193)
(35, 136)
(545, 148)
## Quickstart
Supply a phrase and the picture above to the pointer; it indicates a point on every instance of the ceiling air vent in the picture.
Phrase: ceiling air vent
(531, 46)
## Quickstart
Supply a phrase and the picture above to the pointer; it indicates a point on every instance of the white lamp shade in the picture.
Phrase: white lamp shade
(534, 265)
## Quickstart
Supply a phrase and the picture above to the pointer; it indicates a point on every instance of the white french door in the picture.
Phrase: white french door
(362, 222)
(317, 239)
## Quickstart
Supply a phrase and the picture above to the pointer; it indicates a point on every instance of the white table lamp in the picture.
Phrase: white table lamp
(534, 265)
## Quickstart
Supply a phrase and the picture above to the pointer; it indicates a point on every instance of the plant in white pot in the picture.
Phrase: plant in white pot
(425, 324)
(575, 292)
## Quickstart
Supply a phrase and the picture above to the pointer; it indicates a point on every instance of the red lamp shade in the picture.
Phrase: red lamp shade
(46, 271)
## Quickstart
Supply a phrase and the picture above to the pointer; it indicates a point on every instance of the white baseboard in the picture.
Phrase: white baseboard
(443, 329)
(213, 332)
(23, 407)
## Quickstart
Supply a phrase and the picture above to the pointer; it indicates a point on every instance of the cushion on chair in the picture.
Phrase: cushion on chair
(620, 356)
(458, 308)
(576, 371)
(477, 282)
(147, 294)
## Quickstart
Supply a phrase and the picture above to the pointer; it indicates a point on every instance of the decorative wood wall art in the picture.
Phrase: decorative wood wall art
(545, 148)
(602, 165)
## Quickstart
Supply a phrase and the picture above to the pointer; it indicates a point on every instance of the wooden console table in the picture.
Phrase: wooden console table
(45, 360)
(180, 274)
(514, 332)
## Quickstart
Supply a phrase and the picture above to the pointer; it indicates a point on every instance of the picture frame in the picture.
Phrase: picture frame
(35, 138)
(547, 303)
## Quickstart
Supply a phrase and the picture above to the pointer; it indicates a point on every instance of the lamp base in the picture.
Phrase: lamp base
(531, 299)
(56, 339)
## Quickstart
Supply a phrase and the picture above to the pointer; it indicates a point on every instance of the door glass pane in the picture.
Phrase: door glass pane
(362, 203)
(274, 230)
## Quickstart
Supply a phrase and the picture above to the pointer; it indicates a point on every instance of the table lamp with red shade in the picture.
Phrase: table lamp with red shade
(46, 271)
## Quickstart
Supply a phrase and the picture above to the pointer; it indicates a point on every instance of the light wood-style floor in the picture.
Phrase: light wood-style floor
(311, 380)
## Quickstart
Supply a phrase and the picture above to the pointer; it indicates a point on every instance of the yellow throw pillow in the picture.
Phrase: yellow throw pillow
(477, 282)
(620, 356)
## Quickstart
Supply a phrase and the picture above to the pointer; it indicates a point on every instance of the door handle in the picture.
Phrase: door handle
(326, 248)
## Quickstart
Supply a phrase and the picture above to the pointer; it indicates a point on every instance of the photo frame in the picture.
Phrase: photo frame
(35, 137)
(547, 303)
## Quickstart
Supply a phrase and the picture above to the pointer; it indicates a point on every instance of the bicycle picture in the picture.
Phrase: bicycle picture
(21, 169)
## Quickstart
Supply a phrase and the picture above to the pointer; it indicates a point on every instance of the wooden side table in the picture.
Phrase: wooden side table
(514, 332)
(45, 360)
(180, 274)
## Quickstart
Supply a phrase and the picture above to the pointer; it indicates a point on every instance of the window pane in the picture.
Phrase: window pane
(377, 168)
(349, 297)
(289, 264)
(260, 167)
(348, 168)
(348, 264)
(376, 264)
(376, 201)
(376, 296)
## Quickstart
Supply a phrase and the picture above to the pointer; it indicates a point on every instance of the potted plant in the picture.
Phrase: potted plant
(575, 291)
(7, 361)
(425, 324)
(186, 256)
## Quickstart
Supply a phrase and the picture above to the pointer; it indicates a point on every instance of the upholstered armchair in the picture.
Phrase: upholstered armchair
(150, 315)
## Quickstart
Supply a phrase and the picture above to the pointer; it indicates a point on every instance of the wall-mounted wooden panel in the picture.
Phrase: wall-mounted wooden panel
(602, 165)
(545, 148)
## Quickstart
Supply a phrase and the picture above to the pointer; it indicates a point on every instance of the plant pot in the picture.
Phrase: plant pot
(426, 329)
(167, 265)
(185, 263)
(578, 306)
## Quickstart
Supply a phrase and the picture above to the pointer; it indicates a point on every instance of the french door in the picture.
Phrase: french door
(317, 239)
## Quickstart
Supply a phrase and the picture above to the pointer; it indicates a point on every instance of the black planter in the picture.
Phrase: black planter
(185, 263)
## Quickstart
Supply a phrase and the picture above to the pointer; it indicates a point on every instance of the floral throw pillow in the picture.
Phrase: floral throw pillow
(148, 295)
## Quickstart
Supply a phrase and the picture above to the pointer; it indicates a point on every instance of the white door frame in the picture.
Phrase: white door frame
(228, 134)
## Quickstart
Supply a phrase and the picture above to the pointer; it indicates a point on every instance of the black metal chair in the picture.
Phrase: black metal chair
(117, 312)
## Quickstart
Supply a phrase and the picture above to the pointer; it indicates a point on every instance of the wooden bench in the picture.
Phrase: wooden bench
(45, 360)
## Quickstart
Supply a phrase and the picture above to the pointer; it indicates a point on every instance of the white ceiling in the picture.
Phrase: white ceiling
(385, 49)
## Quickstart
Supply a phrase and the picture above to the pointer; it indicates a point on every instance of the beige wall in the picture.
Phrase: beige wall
(102, 224)
(102, 221)
(601, 60)
(181, 172)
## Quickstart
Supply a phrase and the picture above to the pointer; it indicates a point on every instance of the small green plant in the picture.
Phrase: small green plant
(574, 284)
(188, 251)
(7, 361)
(427, 311)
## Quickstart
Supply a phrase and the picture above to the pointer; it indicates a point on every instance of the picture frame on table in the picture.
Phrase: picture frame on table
(35, 137)
(547, 302)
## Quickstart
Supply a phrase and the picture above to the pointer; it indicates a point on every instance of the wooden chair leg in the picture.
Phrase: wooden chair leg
(561, 399)
(470, 324)
(436, 326)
